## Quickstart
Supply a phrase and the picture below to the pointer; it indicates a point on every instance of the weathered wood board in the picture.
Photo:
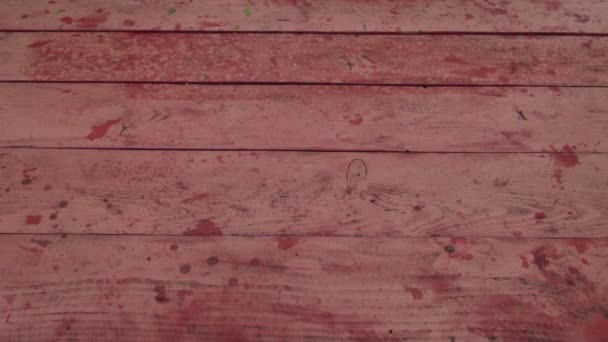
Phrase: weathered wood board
(554, 16)
(304, 58)
(556, 194)
(135, 288)
(456, 119)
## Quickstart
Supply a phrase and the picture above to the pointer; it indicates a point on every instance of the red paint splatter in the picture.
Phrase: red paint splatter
(507, 134)
(206, 24)
(524, 261)
(416, 293)
(557, 174)
(27, 306)
(587, 44)
(497, 11)
(552, 5)
(33, 219)
(517, 233)
(39, 44)
(539, 215)
(418, 207)
(286, 243)
(219, 159)
(204, 227)
(566, 157)
(457, 60)
(31, 249)
(100, 131)
(195, 198)
(585, 261)
(65, 325)
(128, 23)
(555, 89)
(356, 121)
(551, 72)
(26, 172)
(47, 187)
(173, 247)
(468, 16)
(481, 72)
(542, 256)
(597, 330)
(581, 18)
(461, 247)
(510, 134)
(573, 270)
(92, 21)
(581, 245)
(499, 183)
(67, 20)
(161, 294)
(273, 60)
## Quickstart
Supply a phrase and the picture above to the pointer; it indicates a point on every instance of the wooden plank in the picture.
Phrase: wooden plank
(307, 58)
(303, 117)
(589, 16)
(95, 288)
(557, 194)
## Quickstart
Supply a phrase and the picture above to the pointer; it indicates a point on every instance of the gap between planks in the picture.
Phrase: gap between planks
(333, 33)
(321, 84)
(300, 236)
(295, 150)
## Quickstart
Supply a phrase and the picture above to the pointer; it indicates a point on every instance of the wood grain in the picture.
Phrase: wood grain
(478, 119)
(589, 16)
(95, 288)
(306, 58)
(556, 194)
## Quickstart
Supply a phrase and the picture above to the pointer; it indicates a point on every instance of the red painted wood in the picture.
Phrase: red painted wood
(327, 16)
(303, 117)
(558, 194)
(99, 288)
(427, 59)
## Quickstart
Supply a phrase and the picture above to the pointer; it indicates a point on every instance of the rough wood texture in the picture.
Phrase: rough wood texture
(567, 16)
(303, 117)
(558, 194)
(369, 59)
(84, 288)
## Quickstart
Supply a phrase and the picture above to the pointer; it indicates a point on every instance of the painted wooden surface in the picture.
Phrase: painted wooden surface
(307, 58)
(558, 194)
(565, 16)
(120, 288)
(141, 233)
(303, 117)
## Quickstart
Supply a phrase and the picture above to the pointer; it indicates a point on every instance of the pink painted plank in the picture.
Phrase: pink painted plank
(385, 59)
(589, 16)
(453, 119)
(100, 288)
(558, 194)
